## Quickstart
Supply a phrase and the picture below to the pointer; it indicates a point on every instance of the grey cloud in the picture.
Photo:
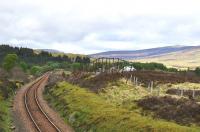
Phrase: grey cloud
(65, 28)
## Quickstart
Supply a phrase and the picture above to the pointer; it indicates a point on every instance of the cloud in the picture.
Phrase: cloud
(91, 26)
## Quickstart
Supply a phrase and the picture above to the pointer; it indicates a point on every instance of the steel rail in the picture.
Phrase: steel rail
(38, 82)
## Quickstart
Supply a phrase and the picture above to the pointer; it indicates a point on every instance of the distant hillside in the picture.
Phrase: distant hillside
(59, 53)
(180, 59)
(146, 53)
(52, 51)
(49, 50)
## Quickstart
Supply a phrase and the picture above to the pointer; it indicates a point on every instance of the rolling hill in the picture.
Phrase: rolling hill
(172, 56)
(139, 54)
(52, 51)
(59, 53)
(189, 58)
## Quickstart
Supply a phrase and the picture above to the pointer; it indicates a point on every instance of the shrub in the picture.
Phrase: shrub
(24, 66)
(10, 61)
(35, 70)
(76, 66)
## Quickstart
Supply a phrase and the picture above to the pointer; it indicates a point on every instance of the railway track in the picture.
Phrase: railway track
(34, 110)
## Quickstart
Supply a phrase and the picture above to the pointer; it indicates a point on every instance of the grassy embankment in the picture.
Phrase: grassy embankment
(5, 115)
(87, 111)
(7, 89)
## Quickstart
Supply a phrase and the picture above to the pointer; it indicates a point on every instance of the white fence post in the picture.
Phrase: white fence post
(136, 82)
(193, 93)
(181, 92)
(131, 77)
(148, 87)
(151, 86)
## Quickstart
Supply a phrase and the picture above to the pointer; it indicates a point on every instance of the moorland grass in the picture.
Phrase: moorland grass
(124, 94)
(87, 111)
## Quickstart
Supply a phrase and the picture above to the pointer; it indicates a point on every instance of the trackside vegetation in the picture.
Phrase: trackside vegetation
(87, 111)
(7, 89)
(5, 118)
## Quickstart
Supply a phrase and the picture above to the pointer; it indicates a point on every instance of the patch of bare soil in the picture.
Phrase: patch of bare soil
(182, 111)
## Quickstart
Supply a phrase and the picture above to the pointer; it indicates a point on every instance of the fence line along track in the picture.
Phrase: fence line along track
(35, 87)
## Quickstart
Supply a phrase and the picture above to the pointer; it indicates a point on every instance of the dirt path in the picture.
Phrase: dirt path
(23, 122)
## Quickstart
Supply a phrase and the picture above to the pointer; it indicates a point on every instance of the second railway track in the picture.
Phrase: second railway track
(34, 110)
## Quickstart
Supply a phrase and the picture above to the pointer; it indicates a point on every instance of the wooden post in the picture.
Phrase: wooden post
(193, 93)
(136, 81)
(118, 64)
(109, 64)
(181, 92)
(94, 66)
(131, 77)
(151, 86)
(178, 91)
(113, 65)
(97, 64)
(97, 68)
(101, 64)
(106, 64)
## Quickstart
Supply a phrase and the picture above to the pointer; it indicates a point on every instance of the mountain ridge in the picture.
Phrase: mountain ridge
(144, 53)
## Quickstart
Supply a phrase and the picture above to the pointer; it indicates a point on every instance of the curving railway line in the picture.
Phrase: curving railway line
(39, 118)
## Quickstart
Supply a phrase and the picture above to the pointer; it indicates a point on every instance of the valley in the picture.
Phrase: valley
(89, 94)
(99, 66)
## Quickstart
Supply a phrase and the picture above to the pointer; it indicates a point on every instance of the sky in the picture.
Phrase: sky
(91, 26)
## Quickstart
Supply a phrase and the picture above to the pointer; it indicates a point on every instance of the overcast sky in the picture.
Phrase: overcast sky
(89, 26)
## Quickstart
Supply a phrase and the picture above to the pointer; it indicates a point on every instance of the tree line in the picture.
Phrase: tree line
(37, 63)
(29, 56)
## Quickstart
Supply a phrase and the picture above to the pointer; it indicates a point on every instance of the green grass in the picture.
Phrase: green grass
(123, 94)
(89, 112)
(5, 116)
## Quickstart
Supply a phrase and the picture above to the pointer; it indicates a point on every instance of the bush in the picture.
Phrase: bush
(65, 65)
(76, 66)
(10, 61)
(172, 70)
(24, 66)
(35, 70)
